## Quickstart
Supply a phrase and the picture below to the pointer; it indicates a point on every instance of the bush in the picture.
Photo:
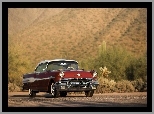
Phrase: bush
(122, 64)
(137, 69)
(116, 59)
(105, 85)
(17, 66)
(104, 72)
(124, 86)
(13, 87)
(139, 85)
(109, 86)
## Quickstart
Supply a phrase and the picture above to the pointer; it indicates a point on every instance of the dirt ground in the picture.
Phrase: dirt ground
(21, 99)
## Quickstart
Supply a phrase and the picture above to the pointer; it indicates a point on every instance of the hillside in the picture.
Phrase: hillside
(21, 18)
(75, 33)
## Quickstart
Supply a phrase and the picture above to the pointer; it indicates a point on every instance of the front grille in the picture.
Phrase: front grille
(76, 81)
(75, 84)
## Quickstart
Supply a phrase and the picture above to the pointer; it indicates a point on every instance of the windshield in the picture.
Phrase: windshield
(62, 65)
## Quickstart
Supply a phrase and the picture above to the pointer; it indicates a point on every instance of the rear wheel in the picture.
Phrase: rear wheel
(89, 93)
(32, 93)
(63, 94)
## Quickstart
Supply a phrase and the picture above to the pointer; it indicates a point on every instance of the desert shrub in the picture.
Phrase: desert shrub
(116, 59)
(139, 85)
(109, 86)
(15, 79)
(105, 85)
(122, 64)
(17, 65)
(124, 86)
(13, 87)
(137, 69)
(104, 72)
(144, 89)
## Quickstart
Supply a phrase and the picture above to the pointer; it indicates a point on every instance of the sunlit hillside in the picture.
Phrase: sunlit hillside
(75, 33)
(21, 18)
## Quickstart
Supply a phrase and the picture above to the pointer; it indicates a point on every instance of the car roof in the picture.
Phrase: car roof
(56, 60)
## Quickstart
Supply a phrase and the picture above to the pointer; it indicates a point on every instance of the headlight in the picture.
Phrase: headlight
(94, 74)
(61, 74)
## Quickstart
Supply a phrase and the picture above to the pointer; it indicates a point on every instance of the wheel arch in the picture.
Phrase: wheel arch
(51, 81)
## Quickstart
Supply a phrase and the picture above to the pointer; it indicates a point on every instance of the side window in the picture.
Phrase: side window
(38, 69)
(52, 66)
(41, 67)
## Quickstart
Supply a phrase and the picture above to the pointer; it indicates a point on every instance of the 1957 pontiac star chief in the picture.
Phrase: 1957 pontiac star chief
(58, 77)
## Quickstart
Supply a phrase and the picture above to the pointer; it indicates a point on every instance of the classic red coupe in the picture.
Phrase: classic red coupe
(58, 77)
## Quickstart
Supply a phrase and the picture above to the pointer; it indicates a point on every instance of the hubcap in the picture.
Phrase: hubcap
(30, 91)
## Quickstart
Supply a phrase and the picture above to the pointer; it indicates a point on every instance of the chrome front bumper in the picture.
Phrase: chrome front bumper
(76, 86)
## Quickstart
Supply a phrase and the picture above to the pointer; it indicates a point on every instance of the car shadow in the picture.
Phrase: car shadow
(47, 96)
(24, 96)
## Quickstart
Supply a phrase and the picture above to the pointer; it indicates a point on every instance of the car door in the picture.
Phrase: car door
(36, 76)
(41, 76)
(33, 82)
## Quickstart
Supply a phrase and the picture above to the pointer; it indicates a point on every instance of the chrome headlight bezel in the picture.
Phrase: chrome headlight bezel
(95, 74)
(61, 74)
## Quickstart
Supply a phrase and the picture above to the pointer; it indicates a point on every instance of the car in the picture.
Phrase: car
(58, 77)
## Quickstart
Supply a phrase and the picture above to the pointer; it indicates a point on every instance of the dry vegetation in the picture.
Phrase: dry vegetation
(38, 34)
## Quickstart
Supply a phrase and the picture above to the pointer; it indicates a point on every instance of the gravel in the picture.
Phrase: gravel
(98, 100)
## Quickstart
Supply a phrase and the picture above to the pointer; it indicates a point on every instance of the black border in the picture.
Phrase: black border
(6, 5)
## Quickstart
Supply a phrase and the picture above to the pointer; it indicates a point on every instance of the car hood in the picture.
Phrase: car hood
(78, 74)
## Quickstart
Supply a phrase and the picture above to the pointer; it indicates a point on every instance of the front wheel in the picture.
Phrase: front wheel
(89, 93)
(54, 91)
